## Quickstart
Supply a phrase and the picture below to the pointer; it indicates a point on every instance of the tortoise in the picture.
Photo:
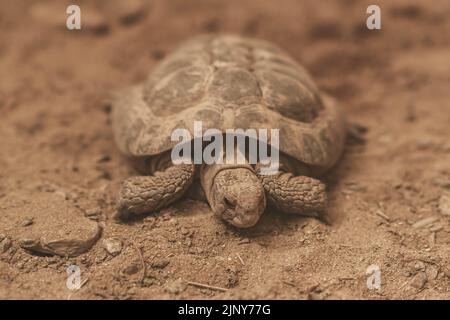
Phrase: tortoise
(228, 81)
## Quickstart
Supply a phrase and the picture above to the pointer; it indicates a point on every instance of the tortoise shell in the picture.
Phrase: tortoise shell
(230, 82)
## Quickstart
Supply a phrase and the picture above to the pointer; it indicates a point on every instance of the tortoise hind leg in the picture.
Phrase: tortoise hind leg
(295, 194)
(143, 194)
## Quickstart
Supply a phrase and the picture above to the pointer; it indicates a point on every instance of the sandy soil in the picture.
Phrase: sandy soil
(60, 169)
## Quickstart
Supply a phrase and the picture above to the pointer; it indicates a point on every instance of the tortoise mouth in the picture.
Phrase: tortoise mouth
(244, 221)
(243, 216)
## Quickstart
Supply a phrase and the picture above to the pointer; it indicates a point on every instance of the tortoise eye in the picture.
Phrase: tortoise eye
(228, 203)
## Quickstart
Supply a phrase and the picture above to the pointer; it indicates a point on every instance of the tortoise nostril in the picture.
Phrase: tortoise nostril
(229, 203)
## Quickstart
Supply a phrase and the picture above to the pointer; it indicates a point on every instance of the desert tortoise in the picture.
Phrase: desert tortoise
(228, 81)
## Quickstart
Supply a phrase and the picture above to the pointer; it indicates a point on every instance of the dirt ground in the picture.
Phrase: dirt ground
(60, 170)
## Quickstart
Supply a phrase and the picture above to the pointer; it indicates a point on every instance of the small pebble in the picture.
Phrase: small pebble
(52, 260)
(353, 186)
(432, 272)
(442, 182)
(175, 287)
(101, 257)
(419, 280)
(131, 269)
(161, 264)
(27, 222)
(5, 244)
(112, 245)
(424, 222)
(244, 241)
(444, 205)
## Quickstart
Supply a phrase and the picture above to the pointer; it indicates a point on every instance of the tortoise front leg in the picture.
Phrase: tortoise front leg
(143, 194)
(294, 194)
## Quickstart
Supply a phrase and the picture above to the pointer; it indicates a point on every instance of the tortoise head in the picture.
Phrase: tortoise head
(237, 196)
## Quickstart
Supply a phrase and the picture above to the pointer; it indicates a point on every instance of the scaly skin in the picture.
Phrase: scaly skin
(295, 194)
(143, 194)
(236, 193)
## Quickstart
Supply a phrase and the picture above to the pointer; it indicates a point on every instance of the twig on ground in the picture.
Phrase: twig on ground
(141, 258)
(381, 214)
(206, 286)
(240, 259)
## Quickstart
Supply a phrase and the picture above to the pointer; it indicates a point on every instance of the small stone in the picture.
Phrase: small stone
(58, 227)
(166, 216)
(52, 260)
(424, 144)
(62, 194)
(397, 184)
(131, 269)
(184, 231)
(432, 272)
(148, 282)
(112, 245)
(5, 244)
(101, 257)
(157, 54)
(355, 187)
(446, 271)
(444, 205)
(419, 280)
(27, 222)
(161, 264)
(85, 261)
(175, 287)
(424, 222)
(442, 182)
(244, 241)
(419, 265)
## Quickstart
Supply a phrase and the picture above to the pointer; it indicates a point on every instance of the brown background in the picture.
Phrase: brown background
(55, 137)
